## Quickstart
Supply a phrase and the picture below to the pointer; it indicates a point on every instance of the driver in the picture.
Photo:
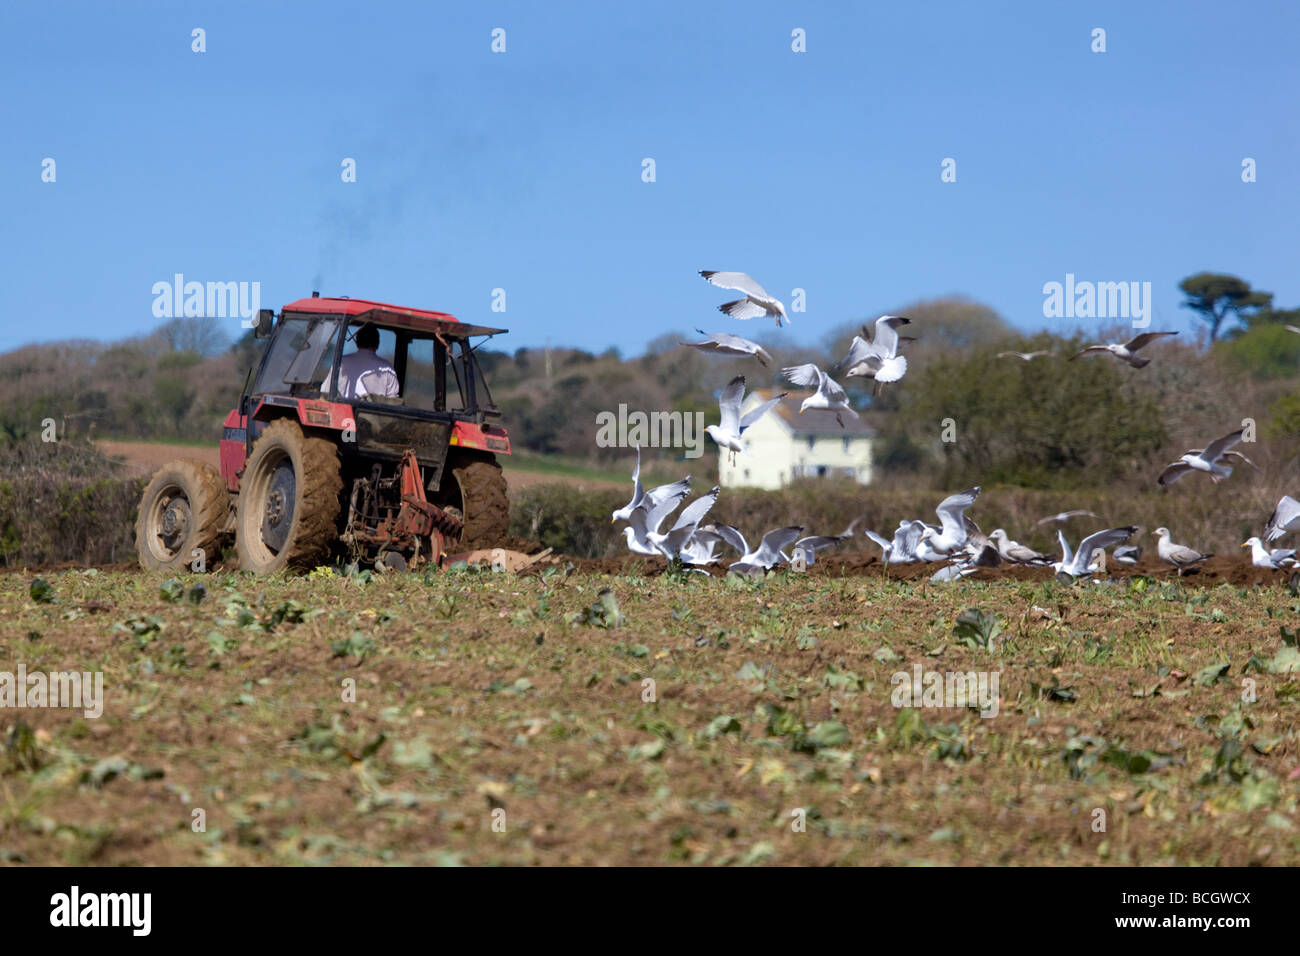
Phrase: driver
(363, 372)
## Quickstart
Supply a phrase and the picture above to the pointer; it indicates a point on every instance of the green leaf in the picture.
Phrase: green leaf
(1209, 676)
(41, 591)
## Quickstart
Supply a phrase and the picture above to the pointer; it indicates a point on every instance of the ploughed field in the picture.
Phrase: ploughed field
(614, 713)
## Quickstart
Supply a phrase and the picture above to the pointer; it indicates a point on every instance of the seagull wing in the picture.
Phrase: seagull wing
(1215, 449)
(694, 513)
(953, 508)
(737, 282)
(885, 343)
(777, 540)
(1146, 338)
(657, 510)
(805, 376)
(733, 537)
(1282, 518)
(884, 545)
(1104, 539)
(676, 489)
(1090, 348)
(859, 349)
(758, 411)
(743, 309)
(1067, 556)
(729, 405)
(834, 391)
(1172, 473)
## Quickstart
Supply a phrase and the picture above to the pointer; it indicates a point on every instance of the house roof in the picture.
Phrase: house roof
(815, 421)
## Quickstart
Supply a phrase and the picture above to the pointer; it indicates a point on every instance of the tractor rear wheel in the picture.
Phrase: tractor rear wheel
(288, 510)
(182, 516)
(484, 506)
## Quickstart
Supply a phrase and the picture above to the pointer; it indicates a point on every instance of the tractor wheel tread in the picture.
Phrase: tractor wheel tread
(320, 484)
(209, 507)
(484, 503)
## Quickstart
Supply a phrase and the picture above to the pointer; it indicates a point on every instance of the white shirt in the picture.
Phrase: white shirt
(364, 373)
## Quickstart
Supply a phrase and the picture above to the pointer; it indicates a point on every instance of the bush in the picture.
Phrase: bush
(64, 502)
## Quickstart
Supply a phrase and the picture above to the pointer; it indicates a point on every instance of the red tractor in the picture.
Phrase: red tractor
(308, 476)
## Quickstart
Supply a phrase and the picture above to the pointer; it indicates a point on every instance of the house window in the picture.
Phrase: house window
(847, 442)
(822, 471)
(812, 439)
(747, 474)
(850, 472)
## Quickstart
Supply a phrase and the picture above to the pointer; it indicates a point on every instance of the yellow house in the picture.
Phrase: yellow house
(785, 446)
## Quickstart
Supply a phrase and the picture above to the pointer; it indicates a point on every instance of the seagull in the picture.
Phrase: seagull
(1261, 557)
(651, 497)
(1076, 564)
(879, 358)
(701, 546)
(1061, 517)
(1208, 459)
(642, 532)
(680, 534)
(1285, 517)
(769, 552)
(830, 394)
(1126, 351)
(951, 512)
(727, 433)
(814, 543)
(1178, 555)
(1012, 551)
(1025, 356)
(724, 343)
(757, 302)
(1127, 554)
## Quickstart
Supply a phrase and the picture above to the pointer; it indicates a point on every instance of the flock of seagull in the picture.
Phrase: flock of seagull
(956, 541)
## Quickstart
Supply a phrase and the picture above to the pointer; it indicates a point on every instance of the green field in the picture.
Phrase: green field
(500, 719)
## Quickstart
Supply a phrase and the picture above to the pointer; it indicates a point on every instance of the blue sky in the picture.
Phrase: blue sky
(522, 170)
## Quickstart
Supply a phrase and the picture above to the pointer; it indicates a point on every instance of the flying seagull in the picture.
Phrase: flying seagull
(1076, 564)
(757, 302)
(1209, 459)
(768, 554)
(654, 494)
(727, 433)
(642, 532)
(1025, 356)
(1180, 556)
(1261, 557)
(1126, 351)
(1061, 517)
(682, 531)
(953, 533)
(879, 358)
(1285, 517)
(724, 343)
(820, 542)
(830, 395)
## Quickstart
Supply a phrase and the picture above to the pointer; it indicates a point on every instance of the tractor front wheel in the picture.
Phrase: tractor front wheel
(182, 516)
(288, 510)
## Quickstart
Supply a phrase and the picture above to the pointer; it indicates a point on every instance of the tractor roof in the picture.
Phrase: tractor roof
(385, 315)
